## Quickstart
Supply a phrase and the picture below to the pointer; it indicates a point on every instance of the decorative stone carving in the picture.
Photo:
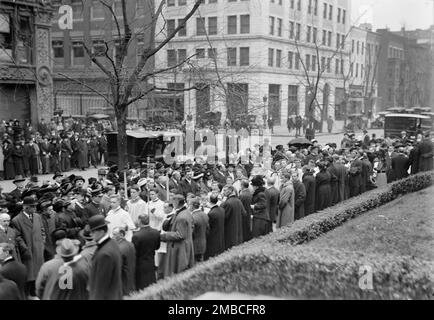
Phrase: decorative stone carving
(42, 47)
(8, 72)
(44, 75)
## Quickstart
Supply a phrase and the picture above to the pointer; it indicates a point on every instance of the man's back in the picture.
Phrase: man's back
(200, 227)
(234, 210)
(272, 196)
(128, 253)
(106, 278)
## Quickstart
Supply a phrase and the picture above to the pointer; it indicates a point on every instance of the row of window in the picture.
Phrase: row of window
(235, 56)
(311, 62)
(312, 8)
(209, 25)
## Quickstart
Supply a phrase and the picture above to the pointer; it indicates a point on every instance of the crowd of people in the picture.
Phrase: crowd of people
(109, 236)
(55, 146)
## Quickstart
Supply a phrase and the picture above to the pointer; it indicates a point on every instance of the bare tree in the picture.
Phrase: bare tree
(129, 85)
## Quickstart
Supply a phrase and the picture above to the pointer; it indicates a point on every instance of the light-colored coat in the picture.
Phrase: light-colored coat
(286, 205)
(180, 251)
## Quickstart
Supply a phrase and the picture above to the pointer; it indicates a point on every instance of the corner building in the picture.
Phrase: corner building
(253, 56)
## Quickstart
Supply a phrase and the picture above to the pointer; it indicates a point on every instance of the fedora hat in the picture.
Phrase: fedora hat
(19, 178)
(34, 179)
(97, 222)
(68, 248)
(29, 201)
(78, 178)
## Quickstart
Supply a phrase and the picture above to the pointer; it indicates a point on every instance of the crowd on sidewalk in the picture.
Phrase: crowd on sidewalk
(105, 238)
(52, 147)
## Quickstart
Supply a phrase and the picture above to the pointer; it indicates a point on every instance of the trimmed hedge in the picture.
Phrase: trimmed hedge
(302, 272)
(239, 269)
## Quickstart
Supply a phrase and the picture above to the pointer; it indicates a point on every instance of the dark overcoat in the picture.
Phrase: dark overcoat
(146, 241)
(234, 211)
(106, 272)
(300, 198)
(261, 218)
(17, 272)
(8, 163)
(323, 190)
(310, 185)
(215, 242)
(426, 153)
(400, 165)
(8, 290)
(272, 195)
(246, 199)
(33, 235)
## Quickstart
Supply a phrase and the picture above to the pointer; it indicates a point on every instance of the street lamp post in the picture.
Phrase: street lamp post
(265, 99)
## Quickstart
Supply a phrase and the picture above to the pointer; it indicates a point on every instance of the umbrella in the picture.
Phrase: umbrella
(299, 141)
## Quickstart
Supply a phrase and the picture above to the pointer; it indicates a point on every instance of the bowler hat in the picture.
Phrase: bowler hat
(34, 179)
(102, 172)
(19, 178)
(68, 248)
(97, 222)
(57, 174)
(29, 201)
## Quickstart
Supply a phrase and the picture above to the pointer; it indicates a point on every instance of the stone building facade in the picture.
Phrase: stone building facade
(26, 86)
(257, 57)
(80, 87)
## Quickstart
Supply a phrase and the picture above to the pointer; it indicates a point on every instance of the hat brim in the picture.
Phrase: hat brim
(81, 234)
(99, 227)
(73, 253)
(19, 180)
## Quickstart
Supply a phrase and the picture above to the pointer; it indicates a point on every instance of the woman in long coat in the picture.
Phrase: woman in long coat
(54, 155)
(323, 188)
(8, 163)
(286, 202)
(261, 217)
(82, 153)
(18, 158)
(310, 185)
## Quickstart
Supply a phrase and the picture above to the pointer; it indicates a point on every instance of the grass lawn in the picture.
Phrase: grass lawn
(402, 227)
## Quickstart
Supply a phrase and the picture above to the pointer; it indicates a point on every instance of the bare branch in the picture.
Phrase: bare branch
(87, 86)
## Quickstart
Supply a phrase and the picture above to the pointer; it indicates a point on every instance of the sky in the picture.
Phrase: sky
(393, 13)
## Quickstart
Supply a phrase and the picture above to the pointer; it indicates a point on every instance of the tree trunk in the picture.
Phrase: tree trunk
(121, 118)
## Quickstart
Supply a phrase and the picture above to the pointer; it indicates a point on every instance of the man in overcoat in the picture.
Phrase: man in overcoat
(234, 212)
(286, 202)
(200, 230)
(179, 238)
(299, 195)
(215, 242)
(146, 241)
(426, 154)
(12, 269)
(29, 225)
(106, 271)
(245, 197)
(128, 253)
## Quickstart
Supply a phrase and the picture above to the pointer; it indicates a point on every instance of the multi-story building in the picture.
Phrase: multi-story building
(404, 72)
(26, 90)
(256, 57)
(361, 79)
(425, 38)
(79, 83)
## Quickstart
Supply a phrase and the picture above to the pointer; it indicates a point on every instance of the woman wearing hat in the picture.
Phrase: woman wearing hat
(18, 156)
(261, 218)
(8, 162)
